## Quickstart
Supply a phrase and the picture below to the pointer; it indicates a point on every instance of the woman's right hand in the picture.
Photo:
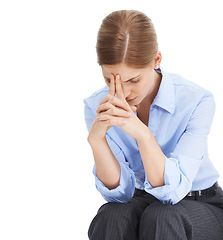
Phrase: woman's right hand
(112, 106)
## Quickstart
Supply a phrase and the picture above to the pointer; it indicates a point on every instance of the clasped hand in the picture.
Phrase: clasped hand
(116, 111)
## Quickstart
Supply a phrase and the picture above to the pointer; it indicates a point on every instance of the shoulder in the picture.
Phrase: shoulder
(188, 92)
(181, 83)
(95, 98)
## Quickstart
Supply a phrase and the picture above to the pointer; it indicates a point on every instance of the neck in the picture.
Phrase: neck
(147, 101)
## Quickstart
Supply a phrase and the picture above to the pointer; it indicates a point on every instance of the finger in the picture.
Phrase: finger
(110, 121)
(111, 92)
(134, 108)
(116, 102)
(118, 112)
(118, 88)
(112, 85)
(119, 103)
(106, 98)
(104, 107)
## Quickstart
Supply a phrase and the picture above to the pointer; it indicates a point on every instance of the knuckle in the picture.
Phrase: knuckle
(103, 100)
(112, 99)
(110, 111)
(108, 104)
(113, 111)
(109, 121)
(109, 96)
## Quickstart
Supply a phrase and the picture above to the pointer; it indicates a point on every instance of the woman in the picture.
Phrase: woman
(148, 132)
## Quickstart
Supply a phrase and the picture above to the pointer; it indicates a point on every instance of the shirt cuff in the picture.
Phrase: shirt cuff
(177, 184)
(125, 190)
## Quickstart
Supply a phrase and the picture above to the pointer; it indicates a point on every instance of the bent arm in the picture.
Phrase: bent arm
(113, 177)
(106, 166)
(152, 157)
(183, 163)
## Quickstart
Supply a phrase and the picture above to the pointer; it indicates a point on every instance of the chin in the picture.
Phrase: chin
(138, 102)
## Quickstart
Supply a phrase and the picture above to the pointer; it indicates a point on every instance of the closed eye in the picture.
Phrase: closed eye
(135, 81)
(109, 80)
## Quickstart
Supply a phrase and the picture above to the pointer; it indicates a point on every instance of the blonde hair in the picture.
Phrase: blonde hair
(126, 36)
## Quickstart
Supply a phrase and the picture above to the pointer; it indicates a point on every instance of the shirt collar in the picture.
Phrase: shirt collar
(165, 97)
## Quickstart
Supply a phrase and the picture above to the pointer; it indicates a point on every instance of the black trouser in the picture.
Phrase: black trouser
(144, 218)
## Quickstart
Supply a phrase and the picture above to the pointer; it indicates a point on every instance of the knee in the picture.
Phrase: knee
(115, 212)
(111, 217)
(160, 219)
(157, 213)
(163, 213)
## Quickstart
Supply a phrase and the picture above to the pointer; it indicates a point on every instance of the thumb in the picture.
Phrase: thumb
(134, 108)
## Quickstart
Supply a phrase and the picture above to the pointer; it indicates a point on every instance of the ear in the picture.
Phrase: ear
(158, 59)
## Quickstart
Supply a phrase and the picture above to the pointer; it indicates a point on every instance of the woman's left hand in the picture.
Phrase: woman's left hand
(133, 126)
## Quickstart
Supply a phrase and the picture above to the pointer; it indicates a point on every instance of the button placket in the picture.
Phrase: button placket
(152, 122)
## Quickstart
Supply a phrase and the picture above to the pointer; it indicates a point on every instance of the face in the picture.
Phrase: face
(137, 84)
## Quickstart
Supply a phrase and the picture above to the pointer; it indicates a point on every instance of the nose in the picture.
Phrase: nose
(126, 91)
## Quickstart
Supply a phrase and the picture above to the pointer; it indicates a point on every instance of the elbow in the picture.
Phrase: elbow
(123, 198)
(119, 194)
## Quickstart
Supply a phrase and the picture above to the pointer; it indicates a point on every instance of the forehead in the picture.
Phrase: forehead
(122, 69)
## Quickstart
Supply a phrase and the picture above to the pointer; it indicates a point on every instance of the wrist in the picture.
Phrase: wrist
(93, 141)
(143, 135)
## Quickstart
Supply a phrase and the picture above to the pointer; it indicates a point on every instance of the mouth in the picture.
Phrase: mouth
(131, 100)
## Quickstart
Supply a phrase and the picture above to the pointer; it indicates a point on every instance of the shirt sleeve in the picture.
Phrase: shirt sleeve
(183, 164)
(125, 190)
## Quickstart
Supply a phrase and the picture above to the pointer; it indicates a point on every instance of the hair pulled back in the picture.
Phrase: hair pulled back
(126, 36)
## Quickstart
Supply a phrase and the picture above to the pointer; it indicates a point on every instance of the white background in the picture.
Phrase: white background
(48, 65)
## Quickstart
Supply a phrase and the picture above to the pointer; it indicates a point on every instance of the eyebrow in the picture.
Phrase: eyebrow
(129, 79)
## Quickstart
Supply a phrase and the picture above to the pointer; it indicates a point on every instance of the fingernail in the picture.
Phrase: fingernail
(117, 77)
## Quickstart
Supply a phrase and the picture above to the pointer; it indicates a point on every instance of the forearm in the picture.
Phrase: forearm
(152, 157)
(106, 165)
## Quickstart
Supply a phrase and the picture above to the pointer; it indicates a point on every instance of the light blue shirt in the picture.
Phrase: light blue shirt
(180, 120)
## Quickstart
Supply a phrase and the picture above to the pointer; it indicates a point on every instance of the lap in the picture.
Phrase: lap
(131, 210)
(191, 219)
(142, 202)
(204, 217)
(118, 220)
(195, 211)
